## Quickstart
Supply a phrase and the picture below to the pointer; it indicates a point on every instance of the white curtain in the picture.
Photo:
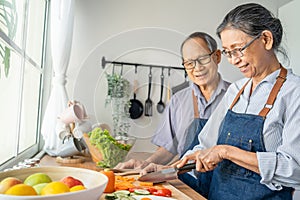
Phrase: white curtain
(61, 27)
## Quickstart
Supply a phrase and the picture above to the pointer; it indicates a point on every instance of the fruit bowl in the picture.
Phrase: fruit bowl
(94, 181)
(107, 151)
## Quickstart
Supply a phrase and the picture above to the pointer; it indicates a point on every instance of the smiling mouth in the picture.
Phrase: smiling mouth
(243, 68)
(200, 75)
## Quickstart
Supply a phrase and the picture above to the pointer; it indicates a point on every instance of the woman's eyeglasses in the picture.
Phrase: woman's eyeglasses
(238, 52)
(202, 60)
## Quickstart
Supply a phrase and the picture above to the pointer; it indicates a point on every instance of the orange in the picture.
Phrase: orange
(77, 188)
(21, 190)
(55, 187)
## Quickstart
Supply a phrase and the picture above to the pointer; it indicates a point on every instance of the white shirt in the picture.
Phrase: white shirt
(280, 165)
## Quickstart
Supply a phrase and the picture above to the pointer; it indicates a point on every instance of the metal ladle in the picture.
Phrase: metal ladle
(160, 105)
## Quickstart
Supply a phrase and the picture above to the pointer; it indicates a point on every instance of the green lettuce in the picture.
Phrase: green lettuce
(112, 151)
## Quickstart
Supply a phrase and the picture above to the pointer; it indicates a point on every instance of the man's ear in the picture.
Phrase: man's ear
(218, 56)
(267, 37)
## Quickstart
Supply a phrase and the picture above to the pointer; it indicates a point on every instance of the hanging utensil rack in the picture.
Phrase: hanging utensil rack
(104, 62)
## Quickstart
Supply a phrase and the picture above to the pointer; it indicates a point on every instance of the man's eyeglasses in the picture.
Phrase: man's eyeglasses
(202, 60)
(237, 53)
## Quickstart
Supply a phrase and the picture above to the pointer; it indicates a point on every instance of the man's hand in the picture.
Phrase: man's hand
(132, 164)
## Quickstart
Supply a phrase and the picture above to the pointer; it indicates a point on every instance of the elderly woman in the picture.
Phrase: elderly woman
(249, 148)
(252, 140)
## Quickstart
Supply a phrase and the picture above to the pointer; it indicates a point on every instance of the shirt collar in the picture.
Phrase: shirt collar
(270, 79)
(221, 87)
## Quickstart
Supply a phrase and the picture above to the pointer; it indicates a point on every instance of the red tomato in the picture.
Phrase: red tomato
(163, 192)
(152, 190)
(132, 189)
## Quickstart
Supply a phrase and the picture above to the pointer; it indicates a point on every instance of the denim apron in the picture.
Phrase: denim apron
(194, 128)
(192, 140)
(245, 131)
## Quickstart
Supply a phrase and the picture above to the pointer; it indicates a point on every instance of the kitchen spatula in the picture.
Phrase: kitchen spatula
(148, 102)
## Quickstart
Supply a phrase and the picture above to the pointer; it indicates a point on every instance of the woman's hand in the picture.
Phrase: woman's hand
(187, 158)
(208, 159)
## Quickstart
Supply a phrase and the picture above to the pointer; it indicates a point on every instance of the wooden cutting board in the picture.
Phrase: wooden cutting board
(176, 194)
(179, 189)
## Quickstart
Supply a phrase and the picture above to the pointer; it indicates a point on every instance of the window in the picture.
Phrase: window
(22, 28)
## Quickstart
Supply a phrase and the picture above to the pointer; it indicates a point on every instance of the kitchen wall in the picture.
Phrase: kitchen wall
(289, 14)
(148, 32)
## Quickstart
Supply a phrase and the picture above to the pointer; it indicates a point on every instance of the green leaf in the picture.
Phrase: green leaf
(8, 19)
(7, 4)
(6, 61)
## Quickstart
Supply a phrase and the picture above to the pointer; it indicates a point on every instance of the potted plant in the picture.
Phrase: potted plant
(118, 96)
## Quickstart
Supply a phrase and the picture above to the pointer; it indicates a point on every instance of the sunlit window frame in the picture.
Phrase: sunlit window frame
(35, 150)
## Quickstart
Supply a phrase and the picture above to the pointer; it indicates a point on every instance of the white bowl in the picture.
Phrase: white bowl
(94, 181)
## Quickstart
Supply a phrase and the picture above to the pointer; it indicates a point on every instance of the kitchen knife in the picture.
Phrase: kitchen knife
(166, 174)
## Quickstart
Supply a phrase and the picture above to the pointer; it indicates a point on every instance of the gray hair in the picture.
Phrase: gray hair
(252, 19)
(210, 41)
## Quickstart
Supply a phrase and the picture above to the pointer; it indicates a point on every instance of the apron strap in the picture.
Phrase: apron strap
(238, 95)
(273, 94)
(195, 103)
(279, 82)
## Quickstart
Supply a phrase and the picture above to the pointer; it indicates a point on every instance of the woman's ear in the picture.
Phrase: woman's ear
(267, 39)
(218, 56)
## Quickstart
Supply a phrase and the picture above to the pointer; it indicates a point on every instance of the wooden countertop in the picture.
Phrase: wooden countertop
(89, 164)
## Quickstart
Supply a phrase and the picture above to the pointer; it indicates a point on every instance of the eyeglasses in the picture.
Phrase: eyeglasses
(237, 53)
(202, 60)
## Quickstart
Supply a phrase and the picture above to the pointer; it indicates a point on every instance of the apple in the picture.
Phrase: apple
(71, 181)
(37, 178)
(38, 187)
(8, 182)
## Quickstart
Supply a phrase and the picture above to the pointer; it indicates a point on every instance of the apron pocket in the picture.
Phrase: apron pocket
(226, 166)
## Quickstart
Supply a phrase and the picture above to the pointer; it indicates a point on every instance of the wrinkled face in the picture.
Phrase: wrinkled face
(202, 74)
(253, 61)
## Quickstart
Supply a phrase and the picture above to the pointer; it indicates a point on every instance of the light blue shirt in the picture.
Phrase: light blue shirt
(280, 165)
(179, 114)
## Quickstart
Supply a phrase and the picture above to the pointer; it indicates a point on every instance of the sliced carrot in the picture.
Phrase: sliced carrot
(146, 183)
(120, 187)
(145, 198)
